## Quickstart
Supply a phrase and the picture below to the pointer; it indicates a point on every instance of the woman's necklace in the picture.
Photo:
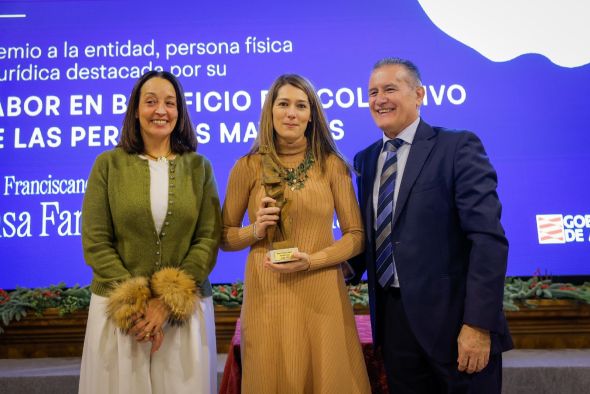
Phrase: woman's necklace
(296, 177)
(160, 159)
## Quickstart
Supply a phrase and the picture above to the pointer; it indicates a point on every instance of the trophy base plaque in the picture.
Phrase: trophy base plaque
(279, 256)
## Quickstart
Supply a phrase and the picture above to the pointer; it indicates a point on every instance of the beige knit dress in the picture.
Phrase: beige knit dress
(298, 330)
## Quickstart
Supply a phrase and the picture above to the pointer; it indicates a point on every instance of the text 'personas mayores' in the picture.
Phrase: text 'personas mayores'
(108, 135)
(77, 106)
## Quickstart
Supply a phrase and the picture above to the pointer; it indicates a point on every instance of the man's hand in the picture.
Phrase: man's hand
(474, 349)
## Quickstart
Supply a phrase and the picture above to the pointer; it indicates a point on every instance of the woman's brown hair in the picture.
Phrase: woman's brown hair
(182, 139)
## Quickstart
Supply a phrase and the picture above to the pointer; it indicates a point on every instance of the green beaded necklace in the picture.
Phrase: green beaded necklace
(296, 177)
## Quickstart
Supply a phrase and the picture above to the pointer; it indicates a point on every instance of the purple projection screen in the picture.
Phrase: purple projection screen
(518, 80)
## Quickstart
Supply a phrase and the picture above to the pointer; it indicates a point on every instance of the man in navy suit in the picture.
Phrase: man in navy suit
(435, 251)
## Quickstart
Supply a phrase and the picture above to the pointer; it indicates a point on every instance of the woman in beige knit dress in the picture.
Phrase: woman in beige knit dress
(298, 328)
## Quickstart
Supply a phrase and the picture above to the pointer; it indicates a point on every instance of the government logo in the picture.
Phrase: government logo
(550, 229)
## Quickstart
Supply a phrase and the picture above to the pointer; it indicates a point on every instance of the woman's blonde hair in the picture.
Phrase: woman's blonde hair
(318, 134)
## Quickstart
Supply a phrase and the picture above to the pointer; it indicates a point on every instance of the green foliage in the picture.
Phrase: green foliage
(15, 305)
(359, 294)
(229, 295)
(516, 289)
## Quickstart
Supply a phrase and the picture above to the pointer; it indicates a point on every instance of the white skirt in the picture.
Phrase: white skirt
(115, 363)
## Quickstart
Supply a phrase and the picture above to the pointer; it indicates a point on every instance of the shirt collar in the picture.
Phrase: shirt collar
(407, 134)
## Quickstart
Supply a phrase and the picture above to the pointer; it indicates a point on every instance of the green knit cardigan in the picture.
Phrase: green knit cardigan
(118, 232)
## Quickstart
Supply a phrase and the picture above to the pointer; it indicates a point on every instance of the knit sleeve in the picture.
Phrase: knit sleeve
(97, 227)
(347, 210)
(202, 254)
(240, 184)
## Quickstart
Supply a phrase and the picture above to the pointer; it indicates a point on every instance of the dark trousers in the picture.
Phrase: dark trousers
(410, 370)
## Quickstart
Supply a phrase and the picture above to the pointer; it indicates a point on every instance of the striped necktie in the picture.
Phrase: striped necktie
(385, 263)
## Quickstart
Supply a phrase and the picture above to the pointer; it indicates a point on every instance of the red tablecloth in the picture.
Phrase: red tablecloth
(232, 373)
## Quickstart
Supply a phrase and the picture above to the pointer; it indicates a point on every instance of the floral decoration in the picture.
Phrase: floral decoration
(230, 295)
(520, 290)
(16, 304)
(4, 297)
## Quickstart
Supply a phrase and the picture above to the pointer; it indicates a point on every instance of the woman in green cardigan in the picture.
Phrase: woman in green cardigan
(151, 226)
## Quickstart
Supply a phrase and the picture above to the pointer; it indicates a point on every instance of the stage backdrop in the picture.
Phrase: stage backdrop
(514, 72)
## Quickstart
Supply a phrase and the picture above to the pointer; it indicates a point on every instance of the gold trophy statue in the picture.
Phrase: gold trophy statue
(278, 236)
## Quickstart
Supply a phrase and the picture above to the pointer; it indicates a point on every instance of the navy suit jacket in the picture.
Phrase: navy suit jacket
(449, 246)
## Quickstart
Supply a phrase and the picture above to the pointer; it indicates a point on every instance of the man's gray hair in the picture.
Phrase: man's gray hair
(409, 66)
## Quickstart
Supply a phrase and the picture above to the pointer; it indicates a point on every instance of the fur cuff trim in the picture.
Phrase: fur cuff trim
(178, 291)
(127, 299)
